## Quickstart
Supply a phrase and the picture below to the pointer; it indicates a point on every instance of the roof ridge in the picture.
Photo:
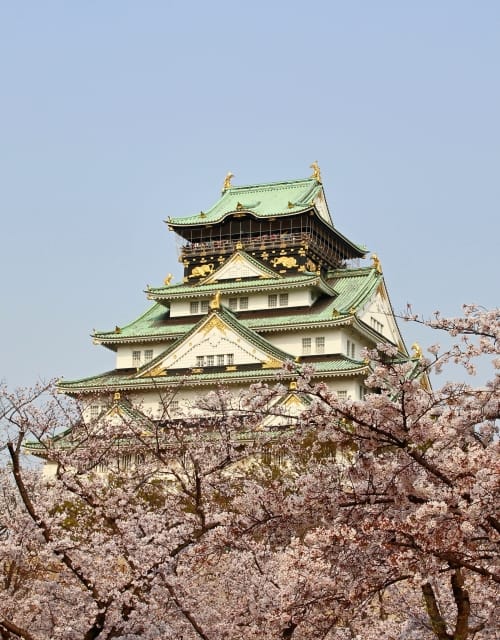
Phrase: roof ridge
(258, 185)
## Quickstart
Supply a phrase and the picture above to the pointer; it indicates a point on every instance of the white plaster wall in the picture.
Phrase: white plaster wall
(380, 310)
(291, 341)
(216, 341)
(124, 353)
(296, 298)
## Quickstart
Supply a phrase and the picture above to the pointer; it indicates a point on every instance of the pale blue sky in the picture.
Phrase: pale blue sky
(117, 114)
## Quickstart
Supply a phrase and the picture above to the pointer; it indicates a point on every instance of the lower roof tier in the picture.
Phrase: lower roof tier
(130, 380)
(341, 294)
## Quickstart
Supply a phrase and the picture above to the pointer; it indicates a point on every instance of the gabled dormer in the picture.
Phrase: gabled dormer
(218, 342)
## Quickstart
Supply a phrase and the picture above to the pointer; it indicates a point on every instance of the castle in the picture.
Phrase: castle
(268, 279)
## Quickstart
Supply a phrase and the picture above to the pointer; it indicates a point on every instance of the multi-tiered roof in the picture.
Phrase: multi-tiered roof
(262, 266)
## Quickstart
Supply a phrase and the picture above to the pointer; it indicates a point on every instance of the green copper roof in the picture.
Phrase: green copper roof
(122, 381)
(196, 291)
(263, 200)
(352, 286)
(238, 327)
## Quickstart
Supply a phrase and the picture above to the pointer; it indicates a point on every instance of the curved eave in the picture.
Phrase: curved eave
(374, 336)
(192, 223)
(198, 221)
(228, 288)
(107, 385)
(286, 197)
(302, 325)
(108, 338)
(112, 343)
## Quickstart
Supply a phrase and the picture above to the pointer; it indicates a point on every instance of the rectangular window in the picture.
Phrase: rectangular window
(378, 326)
(272, 300)
(244, 303)
(351, 349)
(148, 355)
(136, 358)
(102, 466)
(140, 458)
(362, 392)
(233, 303)
(283, 299)
(125, 462)
(200, 361)
(173, 406)
(220, 360)
(193, 307)
(306, 345)
(210, 361)
(230, 358)
(204, 306)
(94, 411)
(320, 344)
(342, 395)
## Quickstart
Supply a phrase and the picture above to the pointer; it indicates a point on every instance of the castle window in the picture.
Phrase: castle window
(94, 411)
(102, 466)
(136, 358)
(230, 358)
(220, 360)
(200, 361)
(272, 300)
(140, 458)
(210, 361)
(320, 344)
(342, 394)
(283, 299)
(194, 306)
(173, 406)
(204, 306)
(125, 462)
(233, 304)
(378, 326)
(244, 303)
(351, 349)
(148, 355)
(306, 346)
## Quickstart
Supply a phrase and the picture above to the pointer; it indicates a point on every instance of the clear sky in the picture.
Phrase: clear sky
(116, 114)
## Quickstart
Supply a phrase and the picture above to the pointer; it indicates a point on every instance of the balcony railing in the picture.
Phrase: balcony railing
(330, 248)
(249, 243)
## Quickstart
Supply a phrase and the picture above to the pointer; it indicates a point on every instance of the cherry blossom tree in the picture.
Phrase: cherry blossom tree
(360, 520)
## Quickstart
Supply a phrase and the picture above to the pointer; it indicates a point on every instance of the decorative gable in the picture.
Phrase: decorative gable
(322, 207)
(216, 343)
(378, 315)
(240, 265)
(286, 410)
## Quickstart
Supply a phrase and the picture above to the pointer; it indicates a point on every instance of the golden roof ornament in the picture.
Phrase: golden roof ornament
(116, 396)
(417, 351)
(376, 264)
(227, 181)
(215, 301)
(168, 280)
(117, 329)
(316, 171)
